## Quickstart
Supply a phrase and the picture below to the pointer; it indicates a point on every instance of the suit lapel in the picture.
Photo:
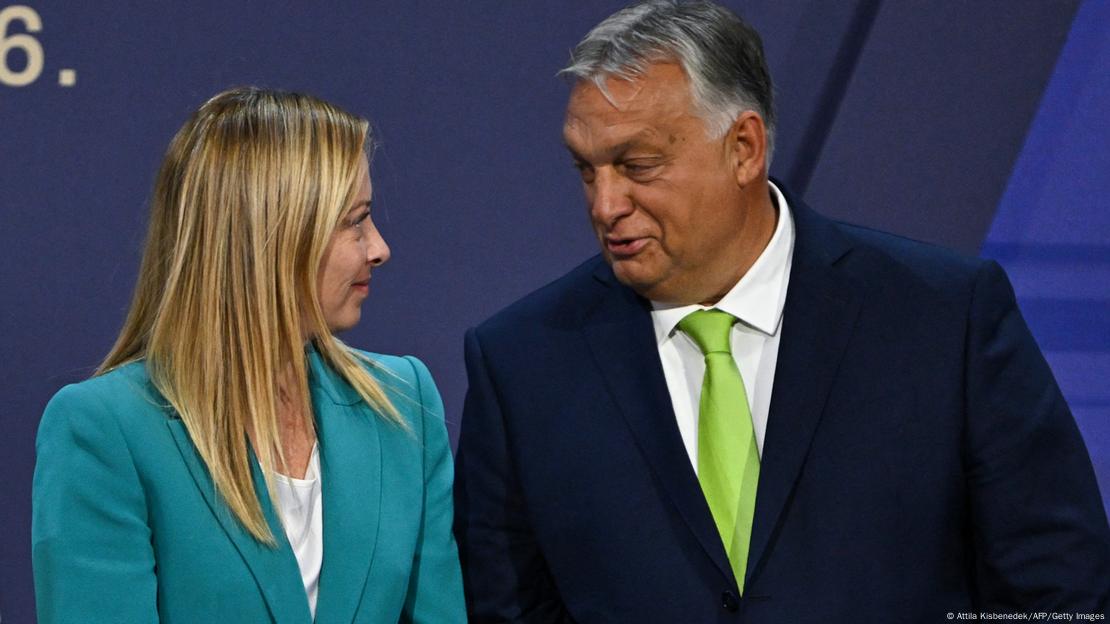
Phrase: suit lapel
(274, 568)
(350, 467)
(622, 340)
(818, 320)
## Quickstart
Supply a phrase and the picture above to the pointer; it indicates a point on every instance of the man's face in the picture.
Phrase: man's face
(663, 196)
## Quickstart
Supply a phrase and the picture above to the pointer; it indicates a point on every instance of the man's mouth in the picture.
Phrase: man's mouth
(620, 247)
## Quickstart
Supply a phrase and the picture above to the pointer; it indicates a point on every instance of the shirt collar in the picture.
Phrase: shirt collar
(758, 298)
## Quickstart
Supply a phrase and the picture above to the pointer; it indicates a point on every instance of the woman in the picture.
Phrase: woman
(231, 460)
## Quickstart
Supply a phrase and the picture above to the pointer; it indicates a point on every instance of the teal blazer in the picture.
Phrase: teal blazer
(127, 526)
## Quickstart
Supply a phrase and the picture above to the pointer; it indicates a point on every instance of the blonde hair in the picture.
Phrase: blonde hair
(248, 196)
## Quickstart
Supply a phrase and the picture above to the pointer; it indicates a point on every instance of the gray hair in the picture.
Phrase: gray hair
(720, 53)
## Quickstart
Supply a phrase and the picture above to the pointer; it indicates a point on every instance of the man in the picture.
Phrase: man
(742, 411)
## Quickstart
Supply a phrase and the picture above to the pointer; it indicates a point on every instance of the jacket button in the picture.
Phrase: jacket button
(729, 601)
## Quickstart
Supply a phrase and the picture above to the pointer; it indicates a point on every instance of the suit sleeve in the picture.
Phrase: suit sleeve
(91, 543)
(435, 588)
(506, 577)
(1040, 530)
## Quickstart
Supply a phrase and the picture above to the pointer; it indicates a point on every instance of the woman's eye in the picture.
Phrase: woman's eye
(360, 219)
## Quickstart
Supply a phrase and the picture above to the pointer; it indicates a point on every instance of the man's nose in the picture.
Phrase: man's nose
(609, 197)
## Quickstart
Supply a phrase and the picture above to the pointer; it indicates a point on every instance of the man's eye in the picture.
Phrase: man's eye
(634, 169)
(584, 170)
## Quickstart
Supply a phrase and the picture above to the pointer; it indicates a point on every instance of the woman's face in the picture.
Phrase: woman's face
(355, 248)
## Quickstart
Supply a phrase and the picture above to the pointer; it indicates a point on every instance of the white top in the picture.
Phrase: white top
(301, 512)
(757, 300)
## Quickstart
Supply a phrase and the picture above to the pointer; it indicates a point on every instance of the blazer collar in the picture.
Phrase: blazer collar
(351, 471)
(818, 319)
(274, 568)
(350, 467)
(329, 384)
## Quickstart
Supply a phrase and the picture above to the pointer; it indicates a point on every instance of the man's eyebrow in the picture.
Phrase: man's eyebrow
(614, 152)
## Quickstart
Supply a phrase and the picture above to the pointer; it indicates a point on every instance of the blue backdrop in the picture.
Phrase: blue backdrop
(952, 122)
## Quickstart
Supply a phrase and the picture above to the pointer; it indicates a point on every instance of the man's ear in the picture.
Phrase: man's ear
(747, 148)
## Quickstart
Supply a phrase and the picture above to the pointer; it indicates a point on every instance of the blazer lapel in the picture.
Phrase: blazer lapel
(818, 320)
(622, 340)
(274, 568)
(350, 467)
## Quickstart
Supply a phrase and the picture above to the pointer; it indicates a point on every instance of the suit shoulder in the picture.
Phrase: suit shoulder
(120, 386)
(386, 365)
(905, 258)
(409, 385)
(558, 300)
(122, 397)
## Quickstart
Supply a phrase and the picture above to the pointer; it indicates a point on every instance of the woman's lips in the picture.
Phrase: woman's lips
(362, 286)
(624, 247)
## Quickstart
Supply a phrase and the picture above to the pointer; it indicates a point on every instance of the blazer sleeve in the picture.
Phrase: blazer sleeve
(91, 542)
(435, 592)
(505, 573)
(1040, 530)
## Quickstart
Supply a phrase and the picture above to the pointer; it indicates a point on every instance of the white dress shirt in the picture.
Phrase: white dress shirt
(301, 505)
(757, 300)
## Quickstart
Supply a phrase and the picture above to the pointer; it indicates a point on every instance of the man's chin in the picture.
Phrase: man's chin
(633, 274)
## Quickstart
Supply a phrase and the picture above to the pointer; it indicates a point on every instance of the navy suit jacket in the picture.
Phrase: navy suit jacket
(919, 457)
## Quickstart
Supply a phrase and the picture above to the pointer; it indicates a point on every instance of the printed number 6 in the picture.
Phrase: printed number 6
(25, 42)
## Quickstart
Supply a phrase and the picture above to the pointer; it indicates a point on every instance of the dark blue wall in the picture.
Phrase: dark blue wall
(904, 115)
(1052, 228)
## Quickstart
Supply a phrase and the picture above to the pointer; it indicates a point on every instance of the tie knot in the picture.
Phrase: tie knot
(709, 329)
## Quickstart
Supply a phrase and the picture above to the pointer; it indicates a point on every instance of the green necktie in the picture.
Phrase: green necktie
(728, 462)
